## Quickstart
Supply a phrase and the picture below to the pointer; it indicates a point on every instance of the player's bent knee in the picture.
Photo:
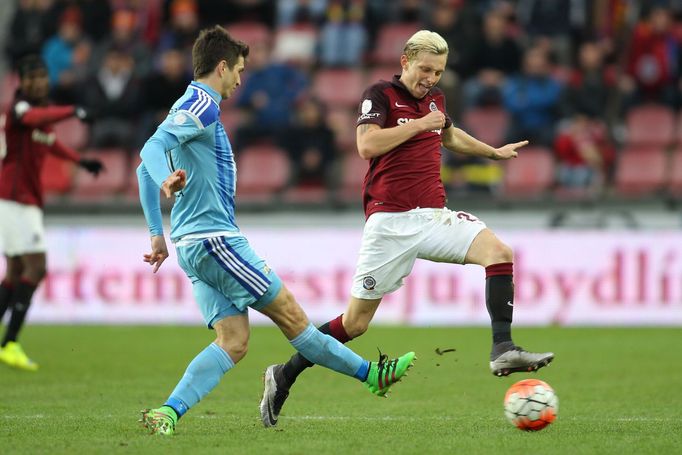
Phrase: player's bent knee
(236, 349)
(502, 253)
(355, 328)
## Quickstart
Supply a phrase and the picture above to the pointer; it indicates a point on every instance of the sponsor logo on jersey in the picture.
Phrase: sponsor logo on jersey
(365, 108)
(42, 137)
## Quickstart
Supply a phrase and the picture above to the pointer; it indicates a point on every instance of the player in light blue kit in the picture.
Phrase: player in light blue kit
(190, 156)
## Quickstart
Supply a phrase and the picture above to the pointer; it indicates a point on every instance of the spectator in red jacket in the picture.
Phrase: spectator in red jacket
(652, 60)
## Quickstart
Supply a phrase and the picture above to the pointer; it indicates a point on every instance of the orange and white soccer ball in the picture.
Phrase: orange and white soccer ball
(531, 405)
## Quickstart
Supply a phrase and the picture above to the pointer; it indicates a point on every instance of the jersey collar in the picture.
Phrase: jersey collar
(215, 95)
(398, 83)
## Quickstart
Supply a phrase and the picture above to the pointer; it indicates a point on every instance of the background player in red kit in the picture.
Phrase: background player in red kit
(401, 127)
(29, 136)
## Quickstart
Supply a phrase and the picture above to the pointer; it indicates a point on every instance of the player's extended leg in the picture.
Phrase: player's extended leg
(279, 378)
(353, 323)
(326, 351)
(497, 258)
(12, 276)
(347, 326)
(32, 273)
(202, 375)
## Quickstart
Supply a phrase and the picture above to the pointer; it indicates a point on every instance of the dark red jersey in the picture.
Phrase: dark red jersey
(408, 176)
(28, 137)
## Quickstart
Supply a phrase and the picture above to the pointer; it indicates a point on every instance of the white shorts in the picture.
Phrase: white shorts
(391, 242)
(21, 228)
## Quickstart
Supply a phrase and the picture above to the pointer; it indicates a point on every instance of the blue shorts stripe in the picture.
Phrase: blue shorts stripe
(239, 265)
(258, 274)
(234, 268)
(225, 267)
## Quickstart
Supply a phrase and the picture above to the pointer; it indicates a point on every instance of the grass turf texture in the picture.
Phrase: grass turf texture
(619, 392)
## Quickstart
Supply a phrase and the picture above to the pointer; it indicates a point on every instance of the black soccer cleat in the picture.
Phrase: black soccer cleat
(517, 360)
(273, 397)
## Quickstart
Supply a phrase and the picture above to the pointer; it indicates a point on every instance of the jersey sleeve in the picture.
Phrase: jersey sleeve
(374, 107)
(192, 117)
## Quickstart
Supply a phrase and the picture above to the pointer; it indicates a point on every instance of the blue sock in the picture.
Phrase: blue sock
(201, 376)
(328, 352)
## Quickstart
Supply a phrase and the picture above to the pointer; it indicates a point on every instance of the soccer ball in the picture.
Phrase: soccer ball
(531, 405)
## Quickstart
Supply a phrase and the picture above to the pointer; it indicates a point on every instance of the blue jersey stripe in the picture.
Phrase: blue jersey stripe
(222, 159)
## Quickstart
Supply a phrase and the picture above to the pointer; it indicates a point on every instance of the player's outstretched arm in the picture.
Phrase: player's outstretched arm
(457, 140)
(37, 116)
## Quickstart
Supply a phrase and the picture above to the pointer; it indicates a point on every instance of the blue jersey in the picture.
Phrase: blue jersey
(193, 139)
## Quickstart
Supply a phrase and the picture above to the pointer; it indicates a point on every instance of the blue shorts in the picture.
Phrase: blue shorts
(227, 277)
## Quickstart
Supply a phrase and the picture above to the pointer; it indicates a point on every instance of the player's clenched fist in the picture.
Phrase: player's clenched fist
(174, 183)
(434, 120)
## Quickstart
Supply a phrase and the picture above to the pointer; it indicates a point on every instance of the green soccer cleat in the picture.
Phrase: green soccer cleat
(13, 355)
(159, 421)
(384, 373)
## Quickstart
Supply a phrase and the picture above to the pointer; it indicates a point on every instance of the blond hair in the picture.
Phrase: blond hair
(425, 41)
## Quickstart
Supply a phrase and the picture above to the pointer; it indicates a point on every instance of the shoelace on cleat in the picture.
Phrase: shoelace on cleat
(390, 366)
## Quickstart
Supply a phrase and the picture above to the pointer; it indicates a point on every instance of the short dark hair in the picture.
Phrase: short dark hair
(30, 63)
(213, 45)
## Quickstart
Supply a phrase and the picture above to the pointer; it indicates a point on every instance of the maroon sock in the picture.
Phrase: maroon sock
(337, 330)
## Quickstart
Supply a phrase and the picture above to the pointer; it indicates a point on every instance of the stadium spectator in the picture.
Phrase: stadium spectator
(113, 93)
(291, 12)
(66, 55)
(585, 154)
(652, 61)
(343, 38)
(31, 25)
(269, 96)
(29, 137)
(162, 88)
(492, 56)
(552, 23)
(532, 98)
(183, 27)
(591, 84)
(96, 18)
(227, 276)
(310, 145)
(126, 38)
(216, 11)
(401, 128)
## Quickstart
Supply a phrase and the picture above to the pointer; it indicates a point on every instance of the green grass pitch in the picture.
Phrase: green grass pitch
(620, 391)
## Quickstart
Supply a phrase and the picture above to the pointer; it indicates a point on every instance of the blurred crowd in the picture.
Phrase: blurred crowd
(570, 76)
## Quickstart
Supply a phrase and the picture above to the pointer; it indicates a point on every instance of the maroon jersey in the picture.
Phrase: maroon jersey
(29, 136)
(408, 176)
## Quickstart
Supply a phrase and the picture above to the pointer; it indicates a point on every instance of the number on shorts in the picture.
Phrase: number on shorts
(466, 216)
